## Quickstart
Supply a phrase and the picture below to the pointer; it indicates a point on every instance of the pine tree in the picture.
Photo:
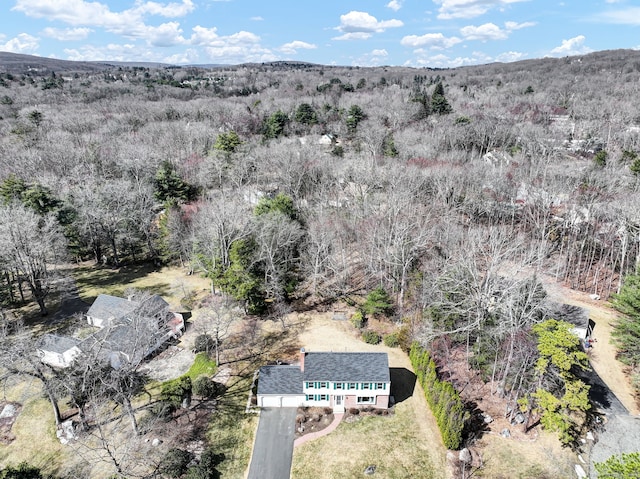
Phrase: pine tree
(439, 103)
(626, 333)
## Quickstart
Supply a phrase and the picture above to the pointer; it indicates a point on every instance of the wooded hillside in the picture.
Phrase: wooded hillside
(446, 196)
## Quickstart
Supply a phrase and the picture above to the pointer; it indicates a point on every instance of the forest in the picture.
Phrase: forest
(451, 194)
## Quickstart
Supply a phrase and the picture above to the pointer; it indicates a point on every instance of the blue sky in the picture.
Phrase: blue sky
(431, 33)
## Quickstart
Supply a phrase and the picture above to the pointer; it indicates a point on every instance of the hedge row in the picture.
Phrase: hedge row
(443, 399)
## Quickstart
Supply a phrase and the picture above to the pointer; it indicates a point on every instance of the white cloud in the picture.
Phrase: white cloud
(22, 43)
(169, 10)
(511, 26)
(488, 31)
(257, 19)
(572, 46)
(354, 36)
(379, 53)
(430, 40)
(165, 35)
(129, 23)
(362, 22)
(292, 48)
(394, 5)
(66, 34)
(373, 59)
(469, 8)
(627, 16)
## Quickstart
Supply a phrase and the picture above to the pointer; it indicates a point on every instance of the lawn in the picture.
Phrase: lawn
(392, 443)
(172, 283)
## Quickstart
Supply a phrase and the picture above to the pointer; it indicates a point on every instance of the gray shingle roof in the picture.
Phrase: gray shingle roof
(57, 344)
(566, 312)
(280, 380)
(346, 367)
(106, 306)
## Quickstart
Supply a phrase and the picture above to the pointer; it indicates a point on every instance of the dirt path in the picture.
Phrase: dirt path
(603, 354)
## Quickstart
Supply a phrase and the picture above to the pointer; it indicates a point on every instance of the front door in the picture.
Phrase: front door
(338, 404)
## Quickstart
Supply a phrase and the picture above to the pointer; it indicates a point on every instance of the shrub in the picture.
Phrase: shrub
(203, 343)
(175, 462)
(175, 391)
(206, 387)
(391, 340)
(370, 337)
(358, 320)
(444, 401)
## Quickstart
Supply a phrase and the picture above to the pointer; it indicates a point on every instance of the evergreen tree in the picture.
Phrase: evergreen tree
(626, 332)
(227, 142)
(439, 103)
(624, 466)
(274, 126)
(170, 187)
(562, 397)
(306, 115)
(354, 116)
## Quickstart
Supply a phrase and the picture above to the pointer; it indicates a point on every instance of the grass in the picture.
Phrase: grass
(202, 365)
(392, 443)
(172, 283)
(36, 441)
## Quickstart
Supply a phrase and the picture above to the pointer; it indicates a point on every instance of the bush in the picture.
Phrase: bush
(203, 343)
(175, 462)
(358, 320)
(391, 340)
(188, 301)
(175, 391)
(206, 387)
(370, 337)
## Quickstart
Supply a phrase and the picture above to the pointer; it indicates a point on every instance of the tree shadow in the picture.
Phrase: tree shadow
(403, 383)
(475, 427)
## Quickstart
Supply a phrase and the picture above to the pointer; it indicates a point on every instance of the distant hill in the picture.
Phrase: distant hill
(17, 63)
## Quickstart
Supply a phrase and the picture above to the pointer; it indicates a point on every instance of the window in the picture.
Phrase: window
(309, 385)
(352, 385)
(324, 397)
(365, 385)
(380, 386)
(366, 400)
(338, 385)
(323, 385)
(309, 397)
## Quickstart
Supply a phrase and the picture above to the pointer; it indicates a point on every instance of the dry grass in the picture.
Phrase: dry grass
(172, 283)
(535, 458)
(34, 429)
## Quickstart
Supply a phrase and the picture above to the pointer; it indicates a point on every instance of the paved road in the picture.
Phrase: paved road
(273, 448)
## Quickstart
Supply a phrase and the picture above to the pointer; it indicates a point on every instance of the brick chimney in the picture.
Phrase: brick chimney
(302, 355)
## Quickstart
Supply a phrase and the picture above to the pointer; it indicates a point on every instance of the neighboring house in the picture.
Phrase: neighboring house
(58, 351)
(129, 331)
(576, 315)
(327, 379)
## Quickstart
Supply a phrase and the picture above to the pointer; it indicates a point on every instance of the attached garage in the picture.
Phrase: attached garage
(280, 386)
(280, 401)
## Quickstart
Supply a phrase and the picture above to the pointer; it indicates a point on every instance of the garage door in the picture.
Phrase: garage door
(279, 401)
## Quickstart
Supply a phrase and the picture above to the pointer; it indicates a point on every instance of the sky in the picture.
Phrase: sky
(416, 33)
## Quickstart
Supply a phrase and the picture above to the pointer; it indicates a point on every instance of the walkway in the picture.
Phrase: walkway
(337, 418)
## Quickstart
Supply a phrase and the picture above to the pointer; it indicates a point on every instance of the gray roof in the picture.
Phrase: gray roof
(57, 344)
(566, 312)
(106, 306)
(280, 380)
(346, 367)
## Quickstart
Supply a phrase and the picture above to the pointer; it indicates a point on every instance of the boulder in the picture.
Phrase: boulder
(505, 432)
(370, 470)
(465, 456)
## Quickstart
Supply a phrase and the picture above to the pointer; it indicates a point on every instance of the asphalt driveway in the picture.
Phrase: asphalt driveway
(273, 447)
